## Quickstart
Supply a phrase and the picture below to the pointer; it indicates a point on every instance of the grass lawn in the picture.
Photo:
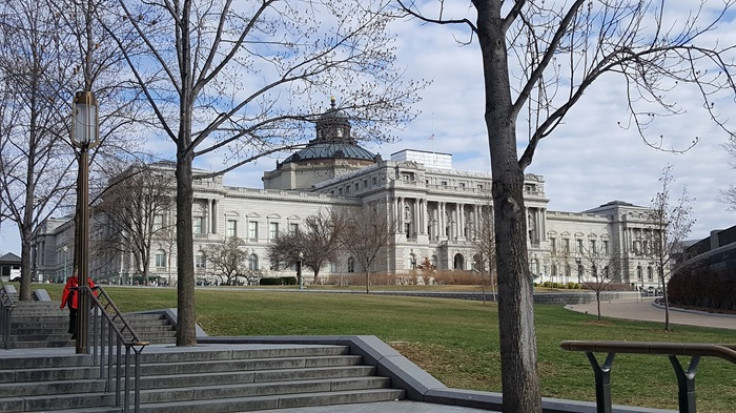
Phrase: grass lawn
(457, 341)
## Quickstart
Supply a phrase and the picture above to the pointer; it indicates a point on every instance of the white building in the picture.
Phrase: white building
(438, 210)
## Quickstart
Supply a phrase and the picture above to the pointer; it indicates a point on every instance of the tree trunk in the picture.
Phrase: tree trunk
(598, 303)
(186, 332)
(666, 299)
(520, 382)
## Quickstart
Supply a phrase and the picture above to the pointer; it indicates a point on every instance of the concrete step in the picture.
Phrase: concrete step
(193, 380)
(228, 391)
(250, 364)
(281, 401)
(43, 403)
(49, 329)
(186, 354)
(59, 386)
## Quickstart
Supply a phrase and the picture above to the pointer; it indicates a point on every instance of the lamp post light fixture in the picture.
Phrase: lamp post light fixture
(66, 250)
(299, 270)
(85, 135)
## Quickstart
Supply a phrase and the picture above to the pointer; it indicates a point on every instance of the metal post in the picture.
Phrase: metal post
(82, 248)
(299, 270)
(685, 383)
(85, 135)
(602, 382)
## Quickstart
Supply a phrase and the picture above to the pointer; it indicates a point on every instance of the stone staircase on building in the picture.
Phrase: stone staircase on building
(200, 380)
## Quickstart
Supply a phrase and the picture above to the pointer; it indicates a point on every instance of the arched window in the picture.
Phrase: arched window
(459, 262)
(253, 262)
(351, 265)
(200, 261)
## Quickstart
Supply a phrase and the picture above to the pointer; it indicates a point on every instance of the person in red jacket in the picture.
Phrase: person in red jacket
(70, 298)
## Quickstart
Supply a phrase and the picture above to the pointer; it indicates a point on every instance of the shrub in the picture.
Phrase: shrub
(703, 287)
(291, 280)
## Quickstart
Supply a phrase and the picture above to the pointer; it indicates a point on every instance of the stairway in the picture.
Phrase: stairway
(202, 379)
(39, 324)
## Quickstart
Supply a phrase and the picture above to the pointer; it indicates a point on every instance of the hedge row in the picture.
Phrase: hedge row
(278, 281)
(703, 288)
(569, 286)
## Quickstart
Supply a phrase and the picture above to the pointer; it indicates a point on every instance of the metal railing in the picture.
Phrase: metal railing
(6, 311)
(110, 332)
(685, 376)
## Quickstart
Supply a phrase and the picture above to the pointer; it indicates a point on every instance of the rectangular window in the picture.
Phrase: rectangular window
(232, 228)
(605, 247)
(273, 230)
(567, 245)
(161, 259)
(158, 222)
(253, 230)
(293, 229)
(580, 246)
(592, 246)
(553, 244)
(198, 225)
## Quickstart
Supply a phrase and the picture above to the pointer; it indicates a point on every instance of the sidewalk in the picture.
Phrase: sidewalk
(643, 309)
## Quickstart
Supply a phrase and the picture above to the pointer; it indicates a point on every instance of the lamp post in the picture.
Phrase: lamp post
(299, 270)
(85, 135)
(65, 249)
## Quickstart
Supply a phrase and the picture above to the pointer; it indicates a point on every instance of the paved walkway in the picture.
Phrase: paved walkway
(643, 309)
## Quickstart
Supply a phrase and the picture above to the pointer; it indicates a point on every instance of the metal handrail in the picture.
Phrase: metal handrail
(6, 312)
(108, 340)
(685, 376)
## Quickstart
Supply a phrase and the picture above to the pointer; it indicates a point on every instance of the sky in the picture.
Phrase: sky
(589, 160)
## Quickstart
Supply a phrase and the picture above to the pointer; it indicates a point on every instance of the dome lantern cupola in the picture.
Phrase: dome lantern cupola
(333, 126)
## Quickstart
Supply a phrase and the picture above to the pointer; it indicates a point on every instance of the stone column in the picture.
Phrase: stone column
(214, 216)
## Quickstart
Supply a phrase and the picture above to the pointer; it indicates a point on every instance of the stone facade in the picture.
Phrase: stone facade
(439, 214)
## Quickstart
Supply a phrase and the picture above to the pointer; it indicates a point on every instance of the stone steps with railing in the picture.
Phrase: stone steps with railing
(38, 324)
(216, 380)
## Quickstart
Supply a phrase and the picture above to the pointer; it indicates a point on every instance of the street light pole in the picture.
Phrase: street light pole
(84, 136)
(65, 249)
(299, 270)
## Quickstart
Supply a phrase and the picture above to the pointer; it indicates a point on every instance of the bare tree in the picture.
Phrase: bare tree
(367, 232)
(229, 259)
(134, 211)
(283, 251)
(318, 242)
(322, 234)
(238, 80)
(484, 242)
(49, 50)
(539, 59)
(35, 160)
(728, 195)
(671, 222)
(603, 268)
